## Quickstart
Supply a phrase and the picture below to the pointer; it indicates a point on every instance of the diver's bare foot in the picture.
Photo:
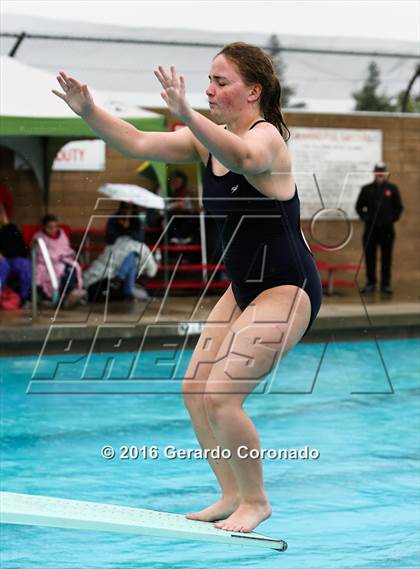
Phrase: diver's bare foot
(220, 510)
(246, 517)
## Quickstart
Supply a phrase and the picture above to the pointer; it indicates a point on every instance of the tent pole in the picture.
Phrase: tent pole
(161, 171)
(46, 169)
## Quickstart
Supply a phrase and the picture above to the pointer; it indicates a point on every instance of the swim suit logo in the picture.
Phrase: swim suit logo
(233, 190)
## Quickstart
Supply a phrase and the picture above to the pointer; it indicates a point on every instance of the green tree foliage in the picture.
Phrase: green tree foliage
(274, 47)
(368, 99)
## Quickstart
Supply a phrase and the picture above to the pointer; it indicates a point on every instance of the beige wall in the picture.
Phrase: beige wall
(73, 195)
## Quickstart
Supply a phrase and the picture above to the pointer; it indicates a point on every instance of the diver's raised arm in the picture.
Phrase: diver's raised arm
(175, 146)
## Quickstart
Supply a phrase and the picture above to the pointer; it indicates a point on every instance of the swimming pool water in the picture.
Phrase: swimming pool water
(357, 506)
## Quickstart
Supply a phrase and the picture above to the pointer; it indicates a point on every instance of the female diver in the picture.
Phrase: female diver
(275, 291)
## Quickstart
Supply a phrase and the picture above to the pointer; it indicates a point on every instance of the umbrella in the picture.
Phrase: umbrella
(132, 194)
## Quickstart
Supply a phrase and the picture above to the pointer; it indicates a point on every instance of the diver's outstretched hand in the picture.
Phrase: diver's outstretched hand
(76, 95)
(174, 93)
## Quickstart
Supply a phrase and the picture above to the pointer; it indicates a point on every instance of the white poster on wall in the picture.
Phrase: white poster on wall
(81, 155)
(342, 160)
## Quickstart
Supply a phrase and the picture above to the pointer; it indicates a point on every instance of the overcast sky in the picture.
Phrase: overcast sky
(393, 19)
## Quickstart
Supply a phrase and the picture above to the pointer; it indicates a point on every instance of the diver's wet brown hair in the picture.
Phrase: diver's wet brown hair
(256, 66)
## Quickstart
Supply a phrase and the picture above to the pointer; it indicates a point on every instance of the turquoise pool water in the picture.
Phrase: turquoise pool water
(357, 506)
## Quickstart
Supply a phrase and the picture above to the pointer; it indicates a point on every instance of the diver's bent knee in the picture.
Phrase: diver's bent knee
(215, 405)
(193, 393)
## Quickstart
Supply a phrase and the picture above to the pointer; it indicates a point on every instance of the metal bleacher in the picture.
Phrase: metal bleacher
(328, 270)
(187, 273)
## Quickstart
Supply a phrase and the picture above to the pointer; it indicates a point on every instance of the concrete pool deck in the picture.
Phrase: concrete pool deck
(344, 315)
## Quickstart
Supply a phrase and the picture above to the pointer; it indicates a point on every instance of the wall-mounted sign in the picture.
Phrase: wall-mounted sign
(81, 155)
(341, 159)
(78, 155)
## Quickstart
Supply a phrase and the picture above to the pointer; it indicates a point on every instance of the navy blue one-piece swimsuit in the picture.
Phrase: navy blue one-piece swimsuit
(263, 245)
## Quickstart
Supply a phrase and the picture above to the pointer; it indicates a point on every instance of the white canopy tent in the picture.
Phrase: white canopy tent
(35, 123)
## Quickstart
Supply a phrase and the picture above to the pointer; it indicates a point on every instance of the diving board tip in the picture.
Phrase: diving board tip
(30, 509)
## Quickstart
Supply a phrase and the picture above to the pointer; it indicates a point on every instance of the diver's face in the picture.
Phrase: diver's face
(227, 93)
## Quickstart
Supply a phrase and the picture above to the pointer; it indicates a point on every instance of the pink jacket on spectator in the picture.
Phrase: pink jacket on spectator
(61, 254)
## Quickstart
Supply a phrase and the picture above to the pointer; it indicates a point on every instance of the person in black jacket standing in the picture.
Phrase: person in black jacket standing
(379, 206)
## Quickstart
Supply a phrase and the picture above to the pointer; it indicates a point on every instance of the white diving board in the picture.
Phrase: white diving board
(35, 510)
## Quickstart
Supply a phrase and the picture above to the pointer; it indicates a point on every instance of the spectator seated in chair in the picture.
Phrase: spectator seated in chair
(63, 258)
(113, 274)
(126, 222)
(13, 257)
